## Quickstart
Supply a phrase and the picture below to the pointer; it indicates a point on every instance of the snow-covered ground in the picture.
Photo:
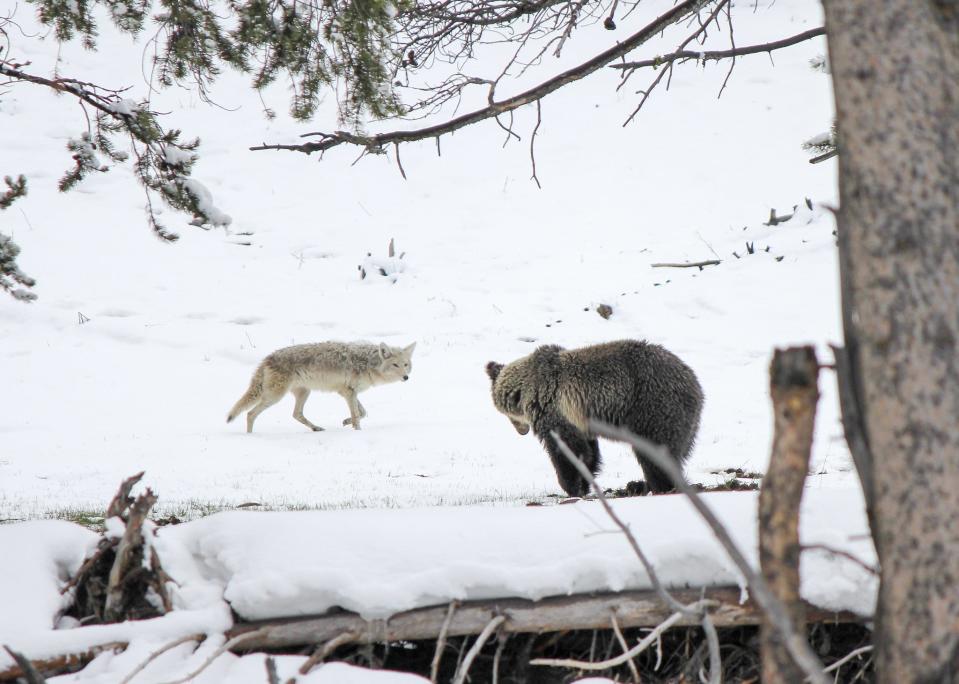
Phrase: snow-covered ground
(285, 564)
(493, 268)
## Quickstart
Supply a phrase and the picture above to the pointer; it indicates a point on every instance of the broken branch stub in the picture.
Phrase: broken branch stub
(793, 386)
(123, 579)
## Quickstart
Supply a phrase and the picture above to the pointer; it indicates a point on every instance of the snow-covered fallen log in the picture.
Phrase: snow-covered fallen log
(630, 608)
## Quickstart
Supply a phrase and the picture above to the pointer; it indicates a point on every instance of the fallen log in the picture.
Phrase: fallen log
(61, 664)
(593, 611)
(557, 614)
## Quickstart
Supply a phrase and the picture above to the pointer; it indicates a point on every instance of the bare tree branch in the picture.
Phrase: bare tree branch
(715, 55)
(235, 641)
(160, 651)
(712, 638)
(689, 264)
(849, 656)
(326, 649)
(30, 673)
(871, 569)
(532, 142)
(796, 644)
(481, 640)
(622, 642)
(647, 641)
(376, 142)
(441, 641)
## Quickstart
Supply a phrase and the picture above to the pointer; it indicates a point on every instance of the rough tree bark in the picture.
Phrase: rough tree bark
(793, 377)
(895, 68)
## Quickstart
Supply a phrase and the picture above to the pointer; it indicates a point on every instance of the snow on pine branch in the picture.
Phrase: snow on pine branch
(11, 277)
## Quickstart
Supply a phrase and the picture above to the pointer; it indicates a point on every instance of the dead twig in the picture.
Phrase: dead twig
(824, 156)
(712, 641)
(702, 612)
(324, 651)
(622, 642)
(502, 639)
(30, 673)
(272, 676)
(795, 643)
(732, 46)
(849, 656)
(122, 499)
(464, 668)
(130, 547)
(604, 502)
(689, 264)
(871, 569)
(232, 643)
(716, 55)
(67, 662)
(647, 641)
(532, 143)
(160, 651)
(441, 641)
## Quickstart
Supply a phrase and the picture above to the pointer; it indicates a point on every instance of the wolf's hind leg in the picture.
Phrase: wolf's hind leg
(349, 421)
(266, 401)
(301, 394)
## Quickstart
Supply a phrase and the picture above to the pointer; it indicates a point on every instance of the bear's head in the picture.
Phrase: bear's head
(516, 386)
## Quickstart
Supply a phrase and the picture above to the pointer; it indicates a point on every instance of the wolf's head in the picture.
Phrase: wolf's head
(396, 362)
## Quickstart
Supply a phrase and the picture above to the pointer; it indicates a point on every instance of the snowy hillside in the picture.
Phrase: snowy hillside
(135, 350)
(494, 267)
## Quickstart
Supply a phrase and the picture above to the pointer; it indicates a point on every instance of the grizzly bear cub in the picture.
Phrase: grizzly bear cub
(629, 383)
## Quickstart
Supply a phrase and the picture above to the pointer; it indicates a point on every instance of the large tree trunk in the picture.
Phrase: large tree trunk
(895, 68)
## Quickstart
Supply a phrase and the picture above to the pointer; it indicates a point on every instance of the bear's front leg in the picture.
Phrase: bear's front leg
(586, 449)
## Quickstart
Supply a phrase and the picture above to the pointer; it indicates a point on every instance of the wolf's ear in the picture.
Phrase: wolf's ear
(408, 351)
(385, 351)
(493, 369)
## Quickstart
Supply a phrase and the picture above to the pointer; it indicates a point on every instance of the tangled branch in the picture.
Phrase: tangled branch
(716, 55)
(376, 143)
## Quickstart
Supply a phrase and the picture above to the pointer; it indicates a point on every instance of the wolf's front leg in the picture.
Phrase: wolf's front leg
(349, 421)
(356, 411)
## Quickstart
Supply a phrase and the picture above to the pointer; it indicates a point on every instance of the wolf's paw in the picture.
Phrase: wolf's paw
(347, 421)
(317, 428)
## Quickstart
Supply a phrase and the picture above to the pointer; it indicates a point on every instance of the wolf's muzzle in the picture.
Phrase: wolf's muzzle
(405, 378)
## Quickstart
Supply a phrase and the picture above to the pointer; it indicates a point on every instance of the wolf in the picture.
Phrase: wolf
(628, 383)
(346, 368)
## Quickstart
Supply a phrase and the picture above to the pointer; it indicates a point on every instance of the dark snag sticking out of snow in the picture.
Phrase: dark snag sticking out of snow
(123, 579)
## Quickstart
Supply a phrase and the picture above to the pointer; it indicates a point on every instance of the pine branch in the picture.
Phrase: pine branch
(163, 162)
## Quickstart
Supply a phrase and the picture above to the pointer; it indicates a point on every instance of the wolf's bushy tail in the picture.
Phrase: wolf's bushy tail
(251, 397)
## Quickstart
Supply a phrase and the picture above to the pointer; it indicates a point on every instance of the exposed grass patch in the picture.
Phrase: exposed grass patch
(92, 520)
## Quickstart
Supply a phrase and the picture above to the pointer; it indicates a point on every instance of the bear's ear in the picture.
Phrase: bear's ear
(493, 369)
